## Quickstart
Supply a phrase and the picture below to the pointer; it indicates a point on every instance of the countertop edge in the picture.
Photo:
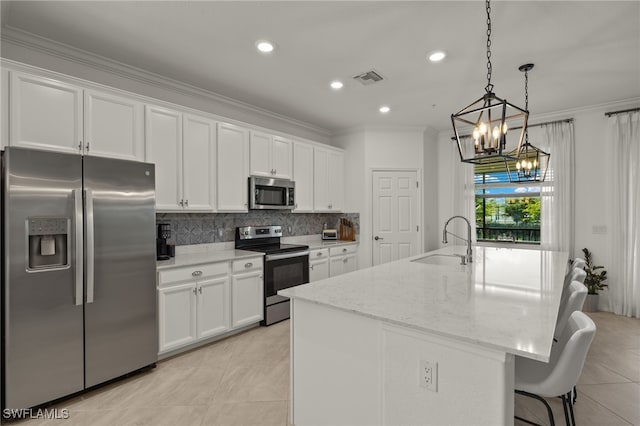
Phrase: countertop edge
(191, 259)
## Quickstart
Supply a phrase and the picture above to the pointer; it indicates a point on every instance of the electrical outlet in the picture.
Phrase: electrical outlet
(428, 375)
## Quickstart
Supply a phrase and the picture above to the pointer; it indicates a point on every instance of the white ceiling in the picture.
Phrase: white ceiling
(585, 52)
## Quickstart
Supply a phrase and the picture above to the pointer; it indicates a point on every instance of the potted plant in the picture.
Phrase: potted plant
(593, 281)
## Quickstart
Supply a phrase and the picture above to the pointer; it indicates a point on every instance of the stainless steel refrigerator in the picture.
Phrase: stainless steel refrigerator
(78, 289)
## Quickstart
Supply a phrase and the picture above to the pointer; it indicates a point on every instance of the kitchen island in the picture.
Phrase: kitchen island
(423, 340)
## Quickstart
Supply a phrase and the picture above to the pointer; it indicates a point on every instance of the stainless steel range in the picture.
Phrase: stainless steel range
(285, 265)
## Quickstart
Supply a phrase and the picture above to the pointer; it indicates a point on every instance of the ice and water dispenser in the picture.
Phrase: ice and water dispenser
(49, 242)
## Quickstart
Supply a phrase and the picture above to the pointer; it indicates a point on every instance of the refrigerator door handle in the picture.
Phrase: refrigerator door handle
(88, 200)
(77, 219)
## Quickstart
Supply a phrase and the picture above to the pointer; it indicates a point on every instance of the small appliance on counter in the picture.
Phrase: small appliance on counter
(329, 234)
(163, 249)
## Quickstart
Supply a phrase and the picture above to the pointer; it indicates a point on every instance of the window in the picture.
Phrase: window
(506, 211)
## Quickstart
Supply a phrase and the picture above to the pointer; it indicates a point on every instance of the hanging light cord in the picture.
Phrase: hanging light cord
(489, 87)
(526, 106)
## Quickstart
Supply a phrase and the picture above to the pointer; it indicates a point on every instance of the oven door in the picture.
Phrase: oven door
(282, 271)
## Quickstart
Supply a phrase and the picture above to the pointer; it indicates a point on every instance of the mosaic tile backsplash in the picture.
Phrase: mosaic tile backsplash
(203, 228)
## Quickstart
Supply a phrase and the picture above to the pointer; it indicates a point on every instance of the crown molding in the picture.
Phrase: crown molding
(54, 48)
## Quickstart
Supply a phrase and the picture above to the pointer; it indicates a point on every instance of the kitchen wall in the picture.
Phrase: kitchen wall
(592, 173)
(385, 148)
(202, 228)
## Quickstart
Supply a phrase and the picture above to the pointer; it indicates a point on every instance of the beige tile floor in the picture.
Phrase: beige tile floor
(244, 380)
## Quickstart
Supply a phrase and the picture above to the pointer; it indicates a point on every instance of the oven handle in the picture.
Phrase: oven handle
(270, 257)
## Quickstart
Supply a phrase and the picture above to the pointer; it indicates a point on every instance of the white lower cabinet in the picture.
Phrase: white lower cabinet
(247, 291)
(203, 301)
(193, 304)
(318, 265)
(343, 259)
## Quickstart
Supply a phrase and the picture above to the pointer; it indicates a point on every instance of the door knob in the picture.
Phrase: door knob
(378, 238)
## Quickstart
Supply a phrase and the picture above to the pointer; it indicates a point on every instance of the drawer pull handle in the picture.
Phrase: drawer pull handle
(344, 250)
(196, 273)
(319, 254)
(248, 264)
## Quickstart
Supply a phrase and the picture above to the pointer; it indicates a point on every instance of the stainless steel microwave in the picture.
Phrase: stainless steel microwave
(268, 193)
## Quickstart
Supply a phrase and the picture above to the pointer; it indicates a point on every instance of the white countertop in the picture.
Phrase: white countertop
(315, 242)
(507, 299)
(204, 255)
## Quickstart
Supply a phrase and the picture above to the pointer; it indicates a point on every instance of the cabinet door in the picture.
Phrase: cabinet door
(336, 266)
(321, 201)
(213, 306)
(4, 108)
(198, 163)
(260, 154)
(303, 176)
(177, 316)
(335, 165)
(45, 114)
(318, 270)
(247, 303)
(113, 126)
(163, 145)
(281, 157)
(233, 168)
(350, 263)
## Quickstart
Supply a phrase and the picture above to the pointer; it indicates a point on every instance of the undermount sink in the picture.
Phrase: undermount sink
(442, 259)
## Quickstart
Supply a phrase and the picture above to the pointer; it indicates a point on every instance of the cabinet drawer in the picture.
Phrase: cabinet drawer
(244, 265)
(318, 254)
(195, 272)
(337, 251)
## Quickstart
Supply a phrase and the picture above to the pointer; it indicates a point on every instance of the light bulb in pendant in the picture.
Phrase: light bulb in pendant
(476, 134)
(518, 166)
(496, 132)
(483, 128)
(505, 128)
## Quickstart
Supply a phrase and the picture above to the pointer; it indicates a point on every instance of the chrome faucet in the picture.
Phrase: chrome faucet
(468, 239)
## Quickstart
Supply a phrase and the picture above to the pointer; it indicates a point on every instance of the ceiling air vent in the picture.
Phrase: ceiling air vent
(369, 77)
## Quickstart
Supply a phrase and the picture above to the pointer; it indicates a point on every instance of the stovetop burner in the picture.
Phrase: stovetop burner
(265, 239)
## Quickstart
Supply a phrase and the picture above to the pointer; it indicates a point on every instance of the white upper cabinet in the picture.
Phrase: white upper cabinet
(233, 168)
(51, 115)
(270, 156)
(113, 126)
(163, 132)
(4, 108)
(182, 147)
(45, 114)
(303, 176)
(198, 163)
(328, 182)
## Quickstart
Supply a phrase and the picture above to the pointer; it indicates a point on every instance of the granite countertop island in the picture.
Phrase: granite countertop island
(469, 320)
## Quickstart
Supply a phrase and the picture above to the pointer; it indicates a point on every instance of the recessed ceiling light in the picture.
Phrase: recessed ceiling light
(265, 46)
(337, 85)
(384, 109)
(437, 56)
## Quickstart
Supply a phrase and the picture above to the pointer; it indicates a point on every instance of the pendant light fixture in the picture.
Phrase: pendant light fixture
(531, 163)
(490, 119)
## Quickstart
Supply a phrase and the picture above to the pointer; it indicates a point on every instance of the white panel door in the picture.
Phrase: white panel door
(260, 153)
(233, 168)
(395, 215)
(213, 306)
(163, 145)
(113, 126)
(177, 315)
(247, 303)
(281, 157)
(198, 163)
(45, 114)
(303, 176)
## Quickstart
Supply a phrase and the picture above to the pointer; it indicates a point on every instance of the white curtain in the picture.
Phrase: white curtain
(464, 192)
(623, 132)
(557, 192)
